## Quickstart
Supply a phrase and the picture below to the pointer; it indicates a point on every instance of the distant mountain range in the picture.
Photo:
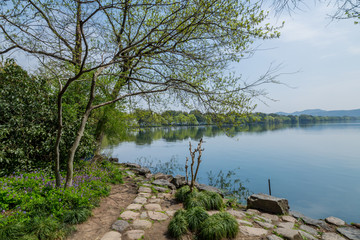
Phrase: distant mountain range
(323, 113)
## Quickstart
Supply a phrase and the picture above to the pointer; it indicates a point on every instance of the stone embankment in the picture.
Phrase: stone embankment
(267, 217)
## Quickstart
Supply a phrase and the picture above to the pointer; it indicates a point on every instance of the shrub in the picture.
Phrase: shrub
(77, 215)
(215, 201)
(197, 199)
(178, 225)
(219, 226)
(195, 216)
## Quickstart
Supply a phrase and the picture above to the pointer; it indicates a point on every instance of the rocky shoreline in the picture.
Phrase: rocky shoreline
(266, 217)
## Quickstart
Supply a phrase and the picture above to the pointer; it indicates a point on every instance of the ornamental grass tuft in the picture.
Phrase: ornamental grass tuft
(182, 193)
(218, 226)
(178, 226)
(195, 216)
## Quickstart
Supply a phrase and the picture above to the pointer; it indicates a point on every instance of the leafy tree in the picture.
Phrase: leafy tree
(159, 50)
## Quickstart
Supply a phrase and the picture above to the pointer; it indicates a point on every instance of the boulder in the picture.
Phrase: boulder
(269, 204)
(204, 187)
(349, 232)
(356, 225)
(163, 176)
(178, 181)
(142, 171)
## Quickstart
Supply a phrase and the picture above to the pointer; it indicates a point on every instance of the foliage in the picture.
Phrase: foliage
(32, 207)
(215, 201)
(28, 124)
(182, 193)
(178, 226)
(195, 216)
(219, 226)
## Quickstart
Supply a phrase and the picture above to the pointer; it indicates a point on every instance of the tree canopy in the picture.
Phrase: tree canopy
(137, 50)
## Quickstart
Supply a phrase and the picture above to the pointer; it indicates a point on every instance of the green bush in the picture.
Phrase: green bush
(215, 201)
(195, 216)
(178, 226)
(197, 199)
(219, 226)
(32, 200)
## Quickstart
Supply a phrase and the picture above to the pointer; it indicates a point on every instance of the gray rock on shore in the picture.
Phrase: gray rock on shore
(269, 204)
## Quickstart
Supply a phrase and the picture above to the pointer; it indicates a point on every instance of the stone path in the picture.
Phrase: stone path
(147, 217)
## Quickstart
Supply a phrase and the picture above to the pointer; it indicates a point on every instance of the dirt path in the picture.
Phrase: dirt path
(107, 213)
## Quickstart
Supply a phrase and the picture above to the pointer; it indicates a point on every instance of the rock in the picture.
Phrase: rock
(130, 173)
(163, 182)
(144, 190)
(252, 211)
(132, 165)
(309, 229)
(268, 204)
(251, 231)
(270, 216)
(349, 232)
(134, 234)
(265, 225)
(165, 195)
(288, 219)
(287, 225)
(273, 237)
(140, 200)
(114, 160)
(296, 215)
(142, 171)
(141, 224)
(170, 212)
(356, 225)
(335, 221)
(316, 223)
(289, 234)
(148, 175)
(158, 216)
(129, 215)
(236, 213)
(167, 177)
(153, 207)
(145, 195)
(331, 236)
(244, 222)
(134, 206)
(143, 215)
(306, 235)
(112, 235)
(261, 219)
(204, 187)
(154, 200)
(178, 181)
(160, 189)
(120, 225)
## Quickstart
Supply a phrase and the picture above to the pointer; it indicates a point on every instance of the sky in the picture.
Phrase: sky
(322, 56)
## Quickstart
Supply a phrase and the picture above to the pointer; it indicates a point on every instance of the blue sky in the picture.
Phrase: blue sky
(325, 55)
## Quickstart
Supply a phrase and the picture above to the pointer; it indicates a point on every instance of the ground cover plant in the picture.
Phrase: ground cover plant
(31, 207)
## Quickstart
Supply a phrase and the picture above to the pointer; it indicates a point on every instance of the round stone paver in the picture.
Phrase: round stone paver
(120, 225)
(141, 224)
(113, 235)
(153, 207)
(134, 234)
(129, 215)
(144, 190)
(158, 216)
(134, 206)
(143, 215)
(140, 200)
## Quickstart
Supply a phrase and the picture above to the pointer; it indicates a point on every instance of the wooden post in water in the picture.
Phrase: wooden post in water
(269, 187)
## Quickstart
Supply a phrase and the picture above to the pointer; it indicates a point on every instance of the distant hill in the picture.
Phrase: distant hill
(323, 113)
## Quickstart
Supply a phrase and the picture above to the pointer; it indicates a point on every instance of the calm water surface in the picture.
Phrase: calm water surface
(317, 168)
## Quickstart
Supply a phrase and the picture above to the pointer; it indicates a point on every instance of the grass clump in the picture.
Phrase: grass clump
(195, 216)
(218, 226)
(215, 201)
(178, 226)
(182, 193)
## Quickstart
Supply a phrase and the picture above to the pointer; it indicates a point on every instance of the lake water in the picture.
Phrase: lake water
(316, 167)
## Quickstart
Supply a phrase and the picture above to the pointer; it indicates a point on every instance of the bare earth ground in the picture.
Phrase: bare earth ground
(107, 213)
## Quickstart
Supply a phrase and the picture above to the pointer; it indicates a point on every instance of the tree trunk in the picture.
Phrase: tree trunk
(72, 151)
(58, 138)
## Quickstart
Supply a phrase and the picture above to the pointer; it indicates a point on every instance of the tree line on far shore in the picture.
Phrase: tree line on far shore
(148, 118)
